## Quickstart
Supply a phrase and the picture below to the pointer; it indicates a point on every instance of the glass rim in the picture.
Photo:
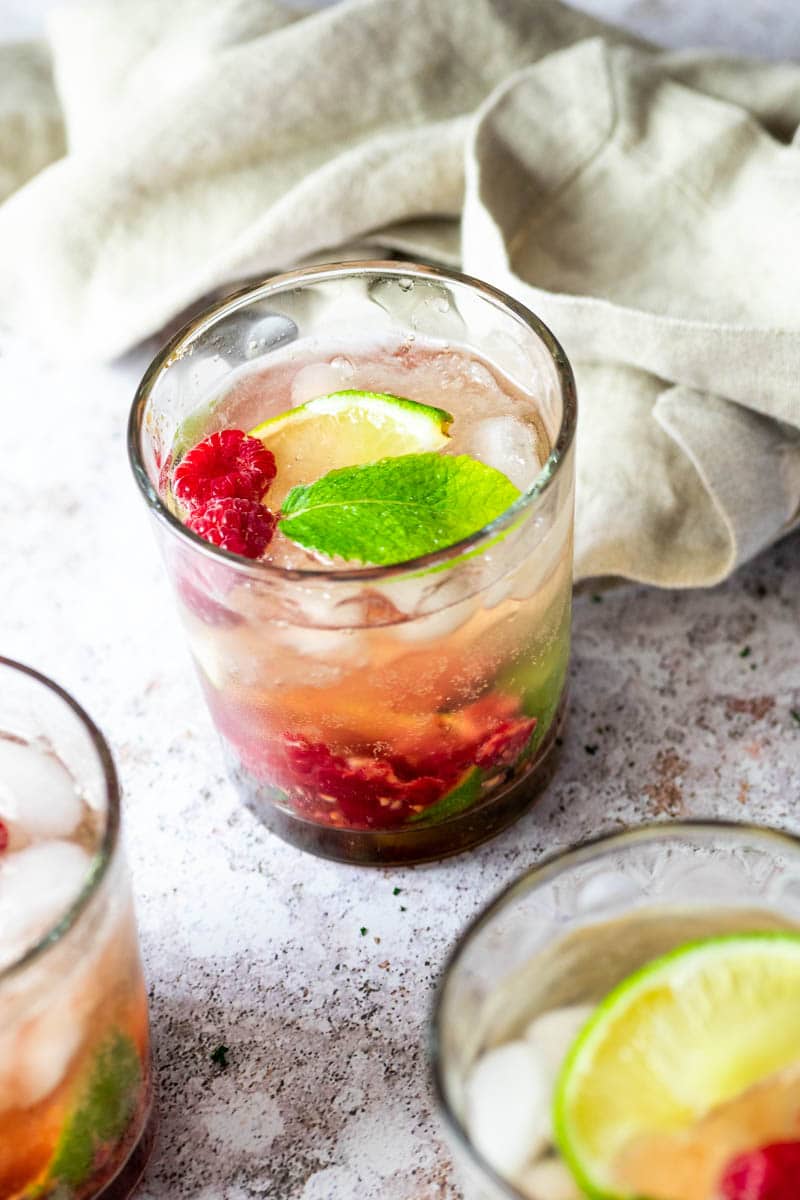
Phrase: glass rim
(175, 348)
(548, 868)
(104, 853)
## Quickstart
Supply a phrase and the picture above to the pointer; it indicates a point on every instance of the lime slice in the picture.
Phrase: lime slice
(346, 429)
(687, 1032)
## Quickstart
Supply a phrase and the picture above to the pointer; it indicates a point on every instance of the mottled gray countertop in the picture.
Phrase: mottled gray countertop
(250, 943)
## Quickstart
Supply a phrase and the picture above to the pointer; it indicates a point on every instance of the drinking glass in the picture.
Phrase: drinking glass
(373, 714)
(570, 929)
(76, 1106)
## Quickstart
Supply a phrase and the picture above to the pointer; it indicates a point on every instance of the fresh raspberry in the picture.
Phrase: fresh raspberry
(227, 464)
(4, 836)
(241, 526)
(771, 1173)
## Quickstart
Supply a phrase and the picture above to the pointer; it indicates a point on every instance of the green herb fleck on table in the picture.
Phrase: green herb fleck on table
(363, 931)
(795, 715)
(396, 891)
(220, 1057)
(744, 652)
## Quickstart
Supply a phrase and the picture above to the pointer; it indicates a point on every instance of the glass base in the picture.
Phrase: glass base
(127, 1178)
(397, 847)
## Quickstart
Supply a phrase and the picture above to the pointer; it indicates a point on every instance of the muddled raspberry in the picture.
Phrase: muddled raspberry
(363, 791)
(770, 1173)
(228, 464)
(355, 791)
(241, 526)
(4, 836)
(502, 747)
(489, 733)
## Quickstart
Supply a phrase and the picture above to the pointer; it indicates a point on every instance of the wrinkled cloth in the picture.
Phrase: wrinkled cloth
(646, 205)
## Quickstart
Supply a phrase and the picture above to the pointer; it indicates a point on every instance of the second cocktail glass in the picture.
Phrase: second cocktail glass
(394, 713)
(76, 1094)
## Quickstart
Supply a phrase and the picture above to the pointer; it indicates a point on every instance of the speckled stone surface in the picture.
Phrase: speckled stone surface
(681, 704)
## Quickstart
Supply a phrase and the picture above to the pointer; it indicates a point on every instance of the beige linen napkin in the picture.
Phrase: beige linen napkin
(645, 204)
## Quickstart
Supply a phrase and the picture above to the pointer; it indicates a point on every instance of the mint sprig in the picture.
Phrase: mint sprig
(396, 509)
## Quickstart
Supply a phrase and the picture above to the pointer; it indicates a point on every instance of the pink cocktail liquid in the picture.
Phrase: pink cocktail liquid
(391, 705)
(75, 1087)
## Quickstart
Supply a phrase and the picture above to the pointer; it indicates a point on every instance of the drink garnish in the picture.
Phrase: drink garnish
(396, 509)
(689, 1162)
(241, 526)
(224, 465)
(345, 429)
(689, 1032)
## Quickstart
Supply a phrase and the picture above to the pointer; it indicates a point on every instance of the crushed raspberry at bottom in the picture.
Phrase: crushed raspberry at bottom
(366, 791)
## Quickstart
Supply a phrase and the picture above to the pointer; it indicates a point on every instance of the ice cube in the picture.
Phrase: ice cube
(508, 1103)
(37, 794)
(45, 1051)
(552, 1034)
(37, 886)
(319, 379)
(549, 1179)
(508, 445)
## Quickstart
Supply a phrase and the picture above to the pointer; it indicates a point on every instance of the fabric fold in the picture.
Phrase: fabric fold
(643, 203)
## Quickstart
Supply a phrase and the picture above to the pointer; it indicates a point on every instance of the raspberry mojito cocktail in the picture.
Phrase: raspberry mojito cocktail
(363, 483)
(75, 1086)
(624, 1022)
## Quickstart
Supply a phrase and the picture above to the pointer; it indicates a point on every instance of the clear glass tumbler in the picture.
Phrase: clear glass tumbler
(566, 932)
(390, 714)
(76, 1105)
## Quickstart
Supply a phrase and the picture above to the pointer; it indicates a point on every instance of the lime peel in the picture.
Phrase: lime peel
(618, 1082)
(347, 429)
(381, 408)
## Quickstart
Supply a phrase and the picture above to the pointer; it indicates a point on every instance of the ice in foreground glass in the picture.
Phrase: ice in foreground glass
(373, 713)
(624, 1021)
(76, 1108)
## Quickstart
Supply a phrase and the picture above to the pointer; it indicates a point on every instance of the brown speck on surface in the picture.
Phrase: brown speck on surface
(756, 707)
(744, 792)
(665, 793)
(384, 966)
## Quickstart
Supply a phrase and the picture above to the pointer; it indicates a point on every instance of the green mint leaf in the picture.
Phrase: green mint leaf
(396, 509)
(106, 1103)
(220, 1057)
(459, 798)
